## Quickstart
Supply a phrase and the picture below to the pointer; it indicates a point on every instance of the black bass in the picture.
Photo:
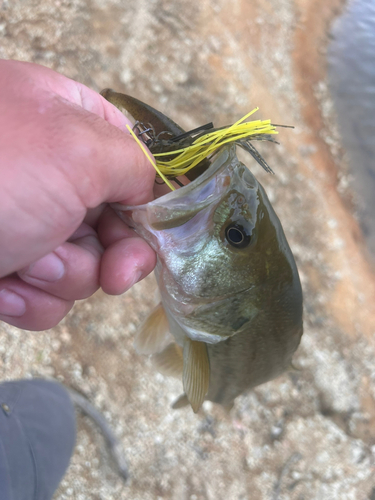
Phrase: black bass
(230, 291)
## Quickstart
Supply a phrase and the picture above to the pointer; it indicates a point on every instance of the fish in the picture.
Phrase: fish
(230, 316)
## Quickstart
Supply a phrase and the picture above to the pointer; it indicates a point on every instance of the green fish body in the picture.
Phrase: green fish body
(230, 291)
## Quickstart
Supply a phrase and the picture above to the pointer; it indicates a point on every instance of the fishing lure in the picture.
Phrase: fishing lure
(177, 152)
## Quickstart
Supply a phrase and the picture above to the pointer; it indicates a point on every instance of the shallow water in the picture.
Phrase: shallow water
(351, 58)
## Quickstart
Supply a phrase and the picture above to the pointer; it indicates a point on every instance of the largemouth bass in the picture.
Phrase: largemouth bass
(230, 291)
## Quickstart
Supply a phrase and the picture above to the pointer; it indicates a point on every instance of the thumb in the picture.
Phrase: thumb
(119, 170)
(66, 125)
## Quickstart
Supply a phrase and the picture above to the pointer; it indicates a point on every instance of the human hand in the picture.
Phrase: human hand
(63, 157)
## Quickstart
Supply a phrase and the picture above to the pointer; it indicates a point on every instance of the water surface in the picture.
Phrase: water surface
(351, 58)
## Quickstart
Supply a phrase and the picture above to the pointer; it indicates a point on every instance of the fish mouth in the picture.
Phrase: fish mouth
(177, 207)
(218, 164)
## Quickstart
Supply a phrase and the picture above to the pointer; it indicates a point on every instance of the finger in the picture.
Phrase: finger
(27, 307)
(70, 90)
(93, 215)
(96, 103)
(128, 258)
(124, 263)
(82, 161)
(71, 272)
(111, 228)
(130, 178)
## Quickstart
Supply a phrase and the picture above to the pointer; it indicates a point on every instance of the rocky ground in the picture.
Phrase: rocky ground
(310, 434)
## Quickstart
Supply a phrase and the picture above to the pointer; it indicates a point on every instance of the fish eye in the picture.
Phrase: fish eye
(237, 236)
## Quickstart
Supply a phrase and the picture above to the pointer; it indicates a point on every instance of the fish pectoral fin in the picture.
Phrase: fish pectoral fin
(169, 361)
(196, 372)
(152, 335)
(180, 402)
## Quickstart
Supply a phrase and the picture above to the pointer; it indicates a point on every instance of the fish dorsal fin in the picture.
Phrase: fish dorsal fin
(180, 402)
(151, 336)
(196, 372)
(169, 361)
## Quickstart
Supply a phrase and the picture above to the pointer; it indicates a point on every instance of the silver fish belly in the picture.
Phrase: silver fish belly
(230, 290)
